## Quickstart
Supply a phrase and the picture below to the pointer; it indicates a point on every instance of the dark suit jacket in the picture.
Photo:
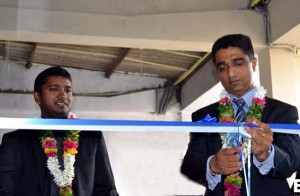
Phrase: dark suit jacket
(23, 170)
(287, 156)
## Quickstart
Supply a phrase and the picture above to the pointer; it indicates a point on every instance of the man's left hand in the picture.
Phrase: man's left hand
(262, 138)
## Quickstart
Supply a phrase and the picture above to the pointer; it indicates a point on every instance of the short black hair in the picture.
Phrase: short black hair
(51, 71)
(234, 40)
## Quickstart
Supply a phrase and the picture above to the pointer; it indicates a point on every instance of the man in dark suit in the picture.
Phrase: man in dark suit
(274, 156)
(24, 167)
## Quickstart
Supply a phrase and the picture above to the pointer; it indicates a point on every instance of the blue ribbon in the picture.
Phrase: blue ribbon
(208, 118)
(209, 126)
(233, 139)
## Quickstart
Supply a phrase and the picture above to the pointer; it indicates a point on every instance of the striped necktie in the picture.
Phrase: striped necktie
(241, 113)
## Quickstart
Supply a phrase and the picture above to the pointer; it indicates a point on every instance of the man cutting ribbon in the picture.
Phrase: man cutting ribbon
(275, 156)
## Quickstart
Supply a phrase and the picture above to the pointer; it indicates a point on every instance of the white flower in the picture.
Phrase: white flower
(65, 177)
(260, 92)
(245, 148)
(224, 139)
(223, 94)
(53, 166)
(68, 172)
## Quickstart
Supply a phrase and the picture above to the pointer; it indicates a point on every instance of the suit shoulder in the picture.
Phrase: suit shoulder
(270, 102)
(277, 111)
(90, 134)
(20, 137)
(23, 133)
(211, 109)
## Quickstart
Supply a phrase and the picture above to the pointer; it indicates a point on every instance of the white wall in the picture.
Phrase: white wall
(285, 71)
(148, 164)
(285, 19)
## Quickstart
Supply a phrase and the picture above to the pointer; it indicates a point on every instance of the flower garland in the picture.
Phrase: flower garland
(233, 183)
(64, 178)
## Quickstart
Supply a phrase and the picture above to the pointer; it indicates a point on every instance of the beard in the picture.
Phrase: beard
(55, 110)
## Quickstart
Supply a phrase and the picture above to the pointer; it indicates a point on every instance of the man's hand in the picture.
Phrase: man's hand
(262, 139)
(226, 161)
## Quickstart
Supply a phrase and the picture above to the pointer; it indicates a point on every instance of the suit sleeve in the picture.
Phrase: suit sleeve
(287, 146)
(194, 162)
(195, 159)
(7, 167)
(104, 180)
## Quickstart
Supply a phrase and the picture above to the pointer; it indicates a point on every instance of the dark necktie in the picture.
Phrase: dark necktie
(60, 152)
(241, 113)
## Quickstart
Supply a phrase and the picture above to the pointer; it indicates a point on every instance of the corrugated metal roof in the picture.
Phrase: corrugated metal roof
(170, 65)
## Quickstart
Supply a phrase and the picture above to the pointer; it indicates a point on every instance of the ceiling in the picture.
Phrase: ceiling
(174, 66)
(127, 7)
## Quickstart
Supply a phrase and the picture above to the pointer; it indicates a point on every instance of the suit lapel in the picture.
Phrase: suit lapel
(41, 163)
(266, 111)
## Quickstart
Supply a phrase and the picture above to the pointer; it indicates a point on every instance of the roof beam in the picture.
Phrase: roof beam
(117, 62)
(30, 58)
(191, 70)
(5, 49)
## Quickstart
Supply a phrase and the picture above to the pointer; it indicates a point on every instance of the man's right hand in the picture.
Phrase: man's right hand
(226, 161)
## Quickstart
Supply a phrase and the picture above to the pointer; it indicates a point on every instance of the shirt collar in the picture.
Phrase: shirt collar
(247, 98)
